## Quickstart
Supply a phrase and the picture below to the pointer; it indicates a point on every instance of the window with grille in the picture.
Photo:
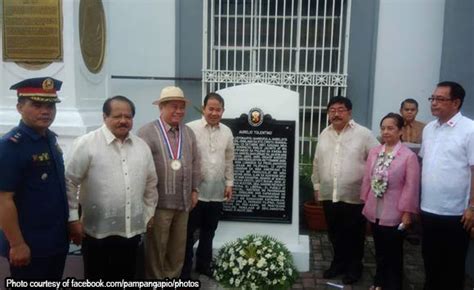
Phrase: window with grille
(301, 45)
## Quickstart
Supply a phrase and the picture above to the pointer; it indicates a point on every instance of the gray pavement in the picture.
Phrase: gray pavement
(320, 259)
(321, 256)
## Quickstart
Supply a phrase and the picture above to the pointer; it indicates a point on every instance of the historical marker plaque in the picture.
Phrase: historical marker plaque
(263, 169)
(32, 30)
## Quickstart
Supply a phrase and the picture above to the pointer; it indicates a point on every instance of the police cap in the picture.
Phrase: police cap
(38, 89)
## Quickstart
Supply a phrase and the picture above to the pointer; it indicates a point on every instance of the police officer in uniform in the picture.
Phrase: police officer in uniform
(33, 203)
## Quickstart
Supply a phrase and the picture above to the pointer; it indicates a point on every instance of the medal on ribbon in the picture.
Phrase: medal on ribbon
(175, 154)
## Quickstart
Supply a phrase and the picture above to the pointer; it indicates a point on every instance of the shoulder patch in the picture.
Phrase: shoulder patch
(16, 137)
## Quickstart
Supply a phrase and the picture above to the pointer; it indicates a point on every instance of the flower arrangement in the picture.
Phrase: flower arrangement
(379, 181)
(255, 262)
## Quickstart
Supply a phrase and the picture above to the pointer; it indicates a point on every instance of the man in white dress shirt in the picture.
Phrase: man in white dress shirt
(216, 147)
(111, 174)
(338, 168)
(447, 189)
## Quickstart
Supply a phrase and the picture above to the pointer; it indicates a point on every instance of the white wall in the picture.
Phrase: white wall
(142, 37)
(142, 43)
(408, 61)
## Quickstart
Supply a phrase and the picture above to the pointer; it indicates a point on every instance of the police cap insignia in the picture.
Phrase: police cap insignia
(48, 84)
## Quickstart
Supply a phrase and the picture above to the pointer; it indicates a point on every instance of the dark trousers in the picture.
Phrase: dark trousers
(388, 257)
(110, 258)
(444, 249)
(205, 217)
(346, 230)
(41, 268)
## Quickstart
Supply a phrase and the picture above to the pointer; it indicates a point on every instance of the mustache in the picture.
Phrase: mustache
(336, 118)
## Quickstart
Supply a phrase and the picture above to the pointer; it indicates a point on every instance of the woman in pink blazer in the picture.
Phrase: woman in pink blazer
(390, 190)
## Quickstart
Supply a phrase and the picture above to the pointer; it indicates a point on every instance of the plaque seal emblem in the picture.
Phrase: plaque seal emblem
(255, 118)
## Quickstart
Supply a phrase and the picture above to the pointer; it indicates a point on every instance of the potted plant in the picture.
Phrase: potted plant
(312, 209)
(255, 262)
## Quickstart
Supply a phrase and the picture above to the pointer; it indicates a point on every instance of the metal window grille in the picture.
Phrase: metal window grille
(301, 45)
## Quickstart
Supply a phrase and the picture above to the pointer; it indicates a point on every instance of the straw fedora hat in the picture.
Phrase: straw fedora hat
(171, 93)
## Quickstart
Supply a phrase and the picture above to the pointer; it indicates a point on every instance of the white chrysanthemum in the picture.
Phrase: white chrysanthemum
(237, 282)
(272, 267)
(268, 256)
(231, 281)
(235, 271)
(225, 265)
(242, 252)
(251, 260)
(261, 263)
(264, 273)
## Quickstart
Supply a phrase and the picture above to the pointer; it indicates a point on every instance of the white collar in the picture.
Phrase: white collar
(110, 137)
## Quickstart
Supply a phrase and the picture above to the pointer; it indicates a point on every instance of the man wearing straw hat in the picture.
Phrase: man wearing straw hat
(33, 204)
(174, 149)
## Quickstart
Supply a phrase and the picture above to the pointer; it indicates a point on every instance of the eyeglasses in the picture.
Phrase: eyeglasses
(338, 110)
(439, 99)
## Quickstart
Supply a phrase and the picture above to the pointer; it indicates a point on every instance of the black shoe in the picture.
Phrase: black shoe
(185, 273)
(350, 278)
(206, 272)
(332, 272)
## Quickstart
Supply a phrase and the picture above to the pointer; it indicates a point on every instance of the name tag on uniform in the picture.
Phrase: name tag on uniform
(41, 157)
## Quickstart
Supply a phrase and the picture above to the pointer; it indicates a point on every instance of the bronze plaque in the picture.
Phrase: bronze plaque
(92, 33)
(32, 30)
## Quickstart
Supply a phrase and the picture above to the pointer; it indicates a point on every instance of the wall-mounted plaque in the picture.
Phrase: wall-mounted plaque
(92, 33)
(263, 168)
(32, 30)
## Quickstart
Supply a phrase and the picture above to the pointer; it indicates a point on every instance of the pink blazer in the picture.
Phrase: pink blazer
(402, 194)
